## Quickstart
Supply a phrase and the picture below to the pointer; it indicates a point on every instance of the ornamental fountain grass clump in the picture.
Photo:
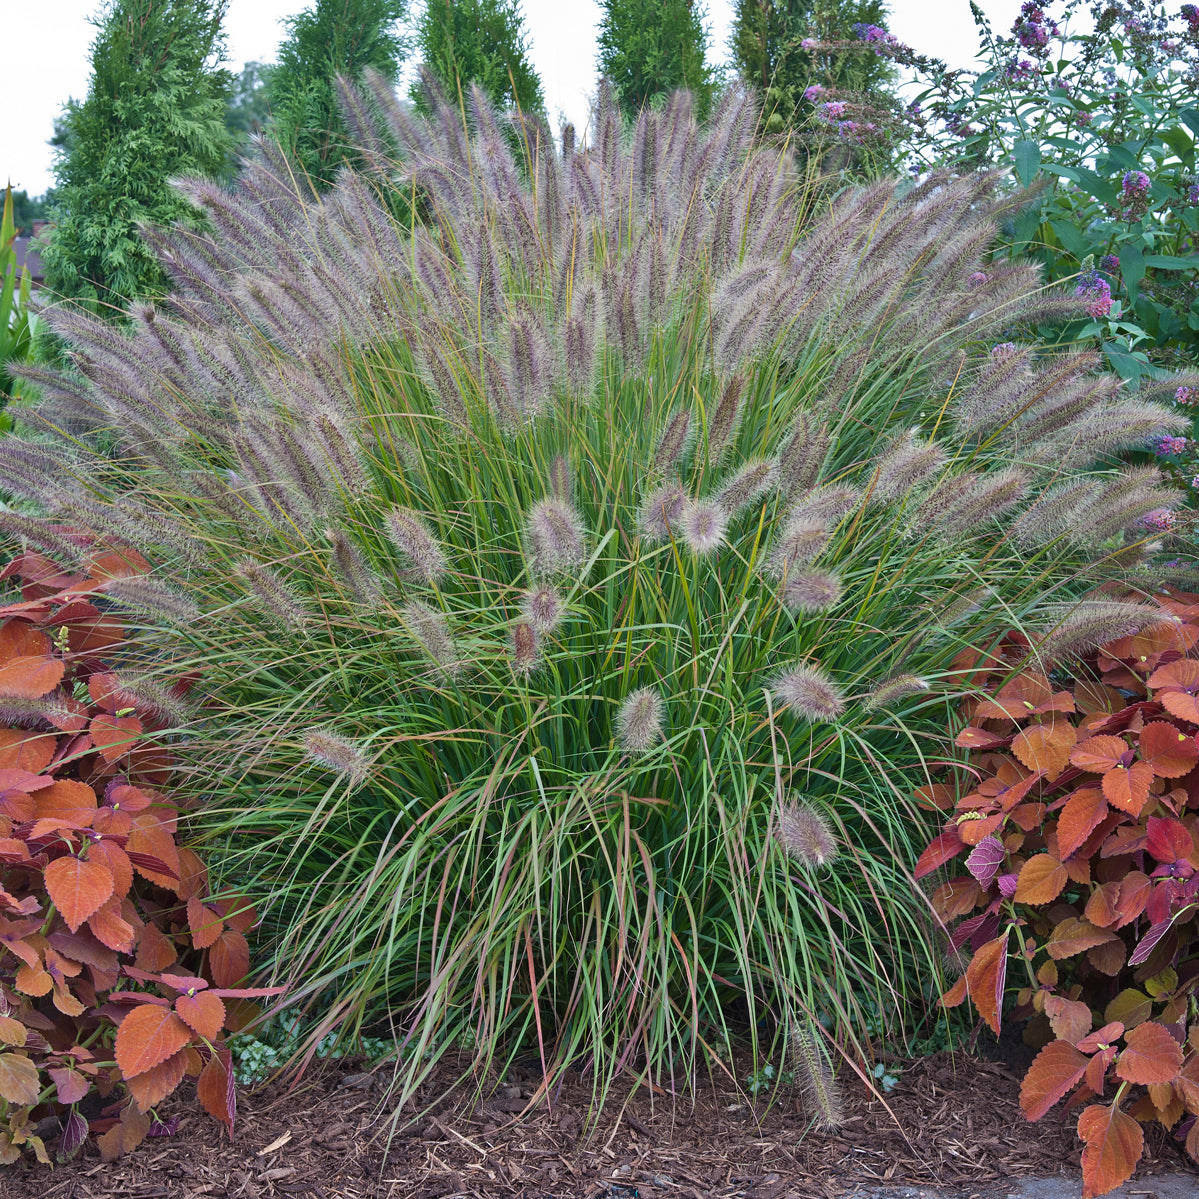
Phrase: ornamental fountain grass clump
(571, 560)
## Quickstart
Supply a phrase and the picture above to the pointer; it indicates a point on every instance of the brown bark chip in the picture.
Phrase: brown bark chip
(959, 1130)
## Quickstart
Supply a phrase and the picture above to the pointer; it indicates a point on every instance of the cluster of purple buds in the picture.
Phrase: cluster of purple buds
(1165, 446)
(1109, 263)
(813, 93)
(958, 126)
(1193, 194)
(1190, 14)
(1187, 396)
(1161, 520)
(832, 111)
(1003, 350)
(874, 34)
(1082, 117)
(1096, 293)
(1134, 185)
(1020, 68)
(1032, 30)
(809, 43)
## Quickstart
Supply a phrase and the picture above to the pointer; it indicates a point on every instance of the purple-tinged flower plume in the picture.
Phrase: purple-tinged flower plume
(891, 691)
(662, 511)
(802, 539)
(525, 654)
(814, 1075)
(337, 753)
(154, 598)
(639, 721)
(1004, 349)
(272, 593)
(805, 834)
(703, 526)
(750, 483)
(556, 538)
(543, 609)
(808, 692)
(811, 590)
(408, 532)
(672, 445)
(432, 633)
(1135, 184)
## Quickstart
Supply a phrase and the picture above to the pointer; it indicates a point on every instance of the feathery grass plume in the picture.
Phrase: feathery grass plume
(801, 458)
(722, 428)
(805, 833)
(273, 594)
(562, 484)
(972, 502)
(907, 463)
(751, 482)
(639, 721)
(810, 590)
(556, 538)
(154, 598)
(808, 692)
(1076, 628)
(1055, 514)
(409, 533)
(338, 754)
(1121, 501)
(661, 512)
(830, 503)
(891, 691)
(703, 526)
(525, 653)
(800, 540)
(33, 713)
(43, 535)
(818, 1087)
(542, 607)
(362, 581)
(432, 633)
(674, 442)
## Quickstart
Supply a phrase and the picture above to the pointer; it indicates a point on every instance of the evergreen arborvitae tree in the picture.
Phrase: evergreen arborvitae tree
(333, 37)
(649, 48)
(155, 110)
(479, 41)
(767, 46)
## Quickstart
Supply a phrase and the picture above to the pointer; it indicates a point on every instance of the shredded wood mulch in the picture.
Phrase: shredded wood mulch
(953, 1123)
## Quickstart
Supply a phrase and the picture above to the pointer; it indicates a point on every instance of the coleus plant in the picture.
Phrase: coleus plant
(1078, 830)
(116, 960)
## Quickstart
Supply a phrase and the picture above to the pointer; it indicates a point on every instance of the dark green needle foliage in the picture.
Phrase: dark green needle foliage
(155, 109)
(649, 48)
(332, 37)
(478, 41)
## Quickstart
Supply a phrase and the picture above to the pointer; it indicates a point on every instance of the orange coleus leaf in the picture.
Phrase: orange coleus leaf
(1082, 814)
(229, 958)
(113, 735)
(1041, 880)
(111, 929)
(151, 838)
(110, 854)
(1135, 889)
(151, 1087)
(66, 799)
(1169, 840)
(27, 671)
(1098, 754)
(972, 737)
(215, 1089)
(1181, 674)
(1069, 1019)
(1150, 1055)
(1101, 909)
(956, 994)
(33, 980)
(1170, 752)
(203, 1012)
(1046, 747)
(204, 923)
(147, 1036)
(154, 951)
(1055, 1070)
(1127, 787)
(21, 749)
(1113, 1146)
(19, 1079)
(70, 1085)
(1182, 704)
(124, 1136)
(1073, 936)
(77, 888)
(985, 977)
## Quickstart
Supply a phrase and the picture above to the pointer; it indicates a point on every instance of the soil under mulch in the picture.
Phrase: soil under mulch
(958, 1126)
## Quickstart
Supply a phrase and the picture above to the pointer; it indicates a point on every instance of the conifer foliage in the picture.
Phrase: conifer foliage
(155, 110)
(331, 37)
(484, 42)
(559, 557)
(649, 48)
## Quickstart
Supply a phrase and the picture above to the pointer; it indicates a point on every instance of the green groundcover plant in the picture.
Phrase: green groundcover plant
(569, 573)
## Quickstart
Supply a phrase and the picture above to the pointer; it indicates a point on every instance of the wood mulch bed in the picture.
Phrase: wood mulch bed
(956, 1124)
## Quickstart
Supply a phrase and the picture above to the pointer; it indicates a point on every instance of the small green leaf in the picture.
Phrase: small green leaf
(1027, 156)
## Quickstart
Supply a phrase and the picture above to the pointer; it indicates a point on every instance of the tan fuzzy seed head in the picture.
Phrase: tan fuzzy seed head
(805, 834)
(639, 722)
(808, 692)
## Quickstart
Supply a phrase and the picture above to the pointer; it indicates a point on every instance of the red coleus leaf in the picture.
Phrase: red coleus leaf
(975, 738)
(985, 859)
(1069, 1019)
(1098, 754)
(1102, 1038)
(216, 1090)
(66, 799)
(1073, 936)
(27, 671)
(203, 1012)
(229, 958)
(1058, 1068)
(114, 735)
(1170, 752)
(1150, 1055)
(151, 1087)
(946, 845)
(1169, 840)
(1113, 1146)
(1046, 747)
(77, 888)
(1041, 880)
(71, 1086)
(1083, 812)
(1127, 787)
(147, 1036)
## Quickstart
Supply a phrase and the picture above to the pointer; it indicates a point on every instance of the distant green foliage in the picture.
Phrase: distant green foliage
(16, 323)
(249, 110)
(649, 48)
(155, 109)
(25, 210)
(479, 41)
(768, 52)
(330, 38)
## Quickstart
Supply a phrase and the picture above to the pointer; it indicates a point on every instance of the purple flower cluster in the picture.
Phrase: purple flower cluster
(1165, 446)
(834, 110)
(1003, 350)
(1096, 294)
(1160, 519)
(874, 33)
(1109, 263)
(1033, 30)
(1082, 117)
(813, 93)
(1135, 185)
(1187, 396)
(1190, 14)
(1020, 68)
(809, 43)
(1193, 194)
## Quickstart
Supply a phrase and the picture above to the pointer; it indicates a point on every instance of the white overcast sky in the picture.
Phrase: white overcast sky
(46, 56)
